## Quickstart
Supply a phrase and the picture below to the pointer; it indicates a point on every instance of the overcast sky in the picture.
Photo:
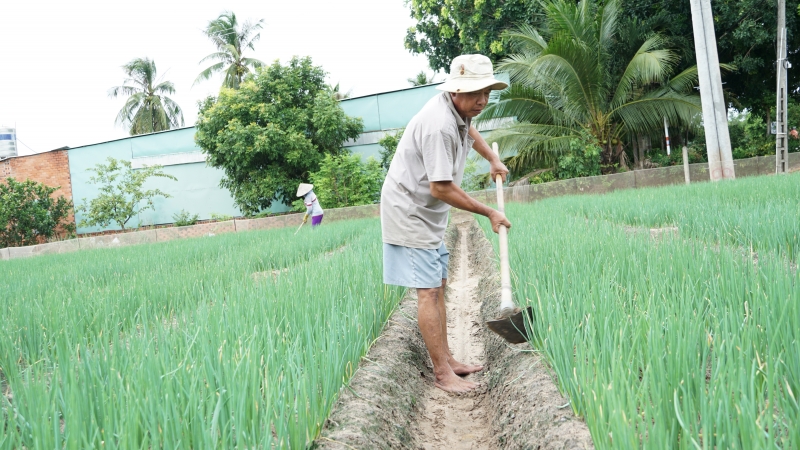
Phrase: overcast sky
(58, 59)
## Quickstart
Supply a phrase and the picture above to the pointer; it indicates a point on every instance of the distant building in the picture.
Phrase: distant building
(8, 142)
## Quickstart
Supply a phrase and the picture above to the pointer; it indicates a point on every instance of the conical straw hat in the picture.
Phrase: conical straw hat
(304, 188)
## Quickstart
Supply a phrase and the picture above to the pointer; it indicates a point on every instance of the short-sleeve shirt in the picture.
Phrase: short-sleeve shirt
(434, 147)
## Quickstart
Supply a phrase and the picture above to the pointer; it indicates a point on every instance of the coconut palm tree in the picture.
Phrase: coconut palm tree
(337, 93)
(564, 86)
(148, 109)
(421, 79)
(231, 40)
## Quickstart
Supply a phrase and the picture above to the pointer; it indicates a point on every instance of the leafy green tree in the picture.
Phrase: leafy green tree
(231, 41)
(346, 180)
(121, 193)
(273, 132)
(29, 214)
(148, 109)
(389, 145)
(746, 33)
(562, 88)
(746, 37)
(448, 28)
(421, 79)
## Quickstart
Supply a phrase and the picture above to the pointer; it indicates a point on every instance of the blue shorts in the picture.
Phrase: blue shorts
(415, 267)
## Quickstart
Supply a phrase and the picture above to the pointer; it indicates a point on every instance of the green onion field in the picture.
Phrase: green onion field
(670, 317)
(687, 340)
(188, 344)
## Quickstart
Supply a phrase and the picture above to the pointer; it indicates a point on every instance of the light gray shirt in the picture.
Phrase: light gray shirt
(313, 208)
(434, 147)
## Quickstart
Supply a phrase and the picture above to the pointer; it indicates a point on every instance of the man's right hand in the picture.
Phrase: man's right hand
(497, 218)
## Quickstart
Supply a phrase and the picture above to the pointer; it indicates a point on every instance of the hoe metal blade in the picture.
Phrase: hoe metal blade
(512, 328)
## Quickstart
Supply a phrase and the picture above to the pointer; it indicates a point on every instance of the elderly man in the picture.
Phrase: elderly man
(422, 184)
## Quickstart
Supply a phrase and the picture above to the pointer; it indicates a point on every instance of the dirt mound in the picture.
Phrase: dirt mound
(391, 401)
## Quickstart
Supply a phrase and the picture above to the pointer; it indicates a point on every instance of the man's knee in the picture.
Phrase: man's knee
(428, 294)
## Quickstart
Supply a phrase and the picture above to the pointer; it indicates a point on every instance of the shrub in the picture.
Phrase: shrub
(346, 180)
(183, 218)
(29, 213)
(582, 160)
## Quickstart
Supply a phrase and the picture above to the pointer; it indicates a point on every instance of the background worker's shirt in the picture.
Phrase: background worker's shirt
(434, 147)
(312, 204)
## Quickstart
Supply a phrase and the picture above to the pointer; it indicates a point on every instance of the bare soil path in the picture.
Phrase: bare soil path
(391, 403)
(459, 422)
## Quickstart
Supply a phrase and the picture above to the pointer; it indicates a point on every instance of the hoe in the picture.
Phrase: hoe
(511, 323)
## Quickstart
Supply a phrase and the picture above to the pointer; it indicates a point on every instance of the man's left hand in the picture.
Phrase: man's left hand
(498, 168)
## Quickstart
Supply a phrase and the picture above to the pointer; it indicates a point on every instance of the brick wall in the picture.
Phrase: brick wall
(49, 168)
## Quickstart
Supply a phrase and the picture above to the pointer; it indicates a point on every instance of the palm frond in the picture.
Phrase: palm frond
(165, 87)
(526, 145)
(608, 24)
(525, 38)
(209, 72)
(218, 56)
(122, 90)
(650, 65)
(647, 113)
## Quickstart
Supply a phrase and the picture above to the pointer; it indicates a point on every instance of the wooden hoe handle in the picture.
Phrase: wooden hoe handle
(506, 303)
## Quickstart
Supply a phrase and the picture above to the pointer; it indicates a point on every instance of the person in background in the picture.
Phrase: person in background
(793, 133)
(313, 208)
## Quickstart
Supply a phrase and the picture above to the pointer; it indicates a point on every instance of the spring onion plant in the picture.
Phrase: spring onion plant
(179, 345)
(688, 341)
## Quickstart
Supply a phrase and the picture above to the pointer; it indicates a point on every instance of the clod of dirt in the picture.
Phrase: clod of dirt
(258, 276)
(656, 234)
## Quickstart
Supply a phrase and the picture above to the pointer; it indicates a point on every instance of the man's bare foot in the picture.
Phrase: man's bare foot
(453, 383)
(464, 369)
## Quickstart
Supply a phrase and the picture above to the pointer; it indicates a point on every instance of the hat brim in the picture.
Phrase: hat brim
(462, 85)
(305, 189)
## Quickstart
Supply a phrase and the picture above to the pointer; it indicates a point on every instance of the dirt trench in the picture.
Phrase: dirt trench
(391, 403)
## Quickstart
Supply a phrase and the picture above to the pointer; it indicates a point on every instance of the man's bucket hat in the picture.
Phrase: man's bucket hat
(470, 73)
(304, 189)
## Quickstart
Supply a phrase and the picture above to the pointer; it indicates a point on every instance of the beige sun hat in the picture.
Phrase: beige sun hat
(469, 73)
(304, 189)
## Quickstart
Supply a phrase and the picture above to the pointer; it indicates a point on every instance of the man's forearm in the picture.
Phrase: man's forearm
(450, 193)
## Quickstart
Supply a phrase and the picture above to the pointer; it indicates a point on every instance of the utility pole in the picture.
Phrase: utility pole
(715, 114)
(781, 144)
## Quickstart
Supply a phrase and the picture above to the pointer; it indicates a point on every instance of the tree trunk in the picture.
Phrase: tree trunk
(642, 148)
(635, 150)
(768, 122)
